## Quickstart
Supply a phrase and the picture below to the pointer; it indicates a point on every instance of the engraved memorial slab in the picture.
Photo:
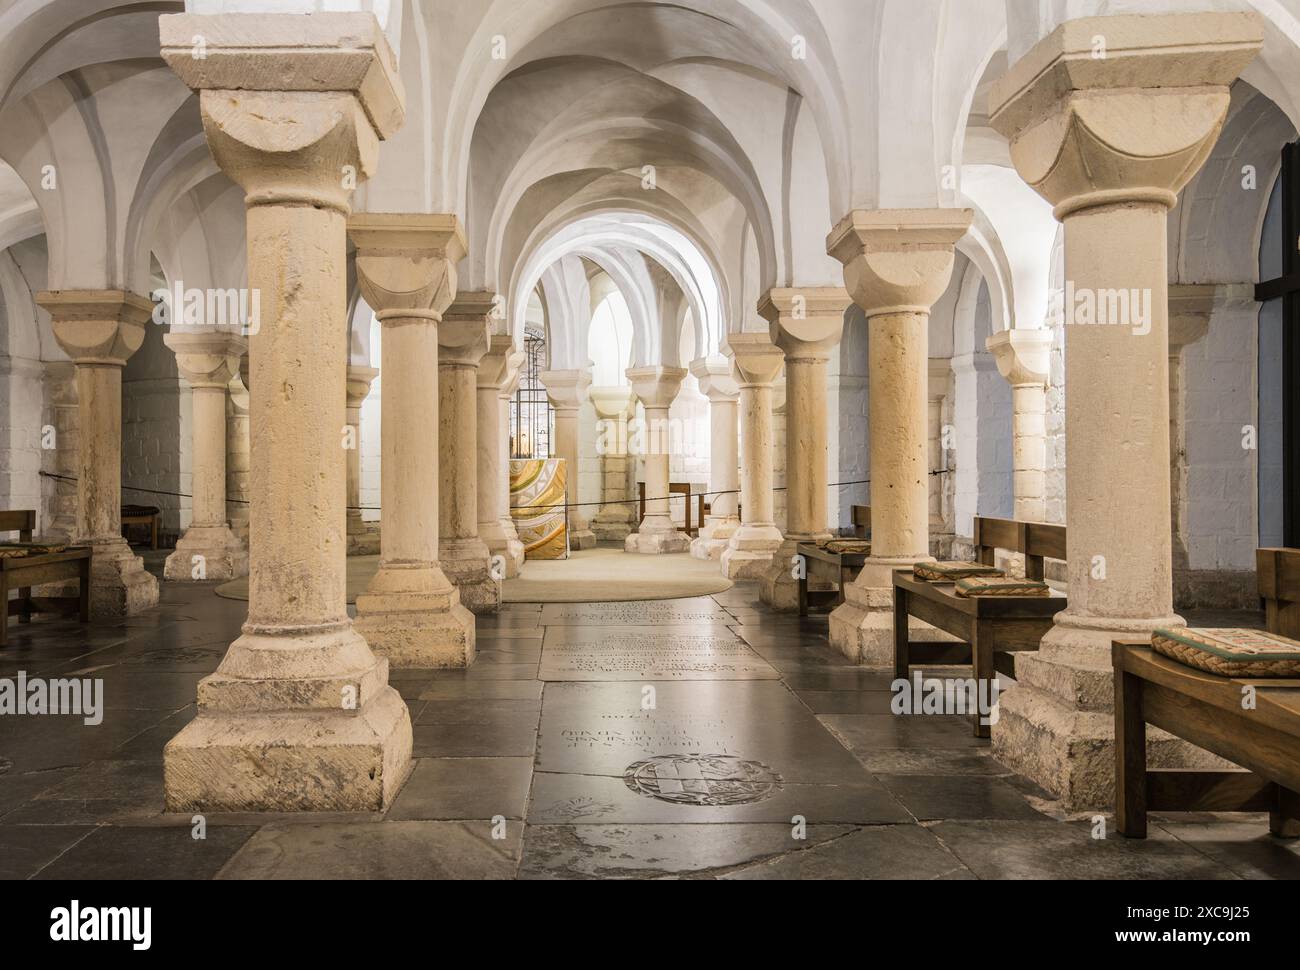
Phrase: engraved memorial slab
(650, 654)
(653, 613)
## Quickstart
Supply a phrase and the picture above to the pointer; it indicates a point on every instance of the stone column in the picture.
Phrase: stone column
(406, 266)
(567, 389)
(1024, 359)
(656, 388)
(718, 384)
(806, 324)
(496, 369)
(897, 263)
(300, 715)
(208, 550)
(617, 517)
(509, 384)
(238, 452)
(940, 534)
(779, 401)
(463, 339)
(757, 362)
(99, 330)
(1110, 146)
(61, 380)
(363, 537)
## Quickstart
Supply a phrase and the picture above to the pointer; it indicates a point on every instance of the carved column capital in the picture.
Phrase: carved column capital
(806, 323)
(897, 260)
(207, 360)
(406, 262)
(97, 327)
(1123, 108)
(1023, 356)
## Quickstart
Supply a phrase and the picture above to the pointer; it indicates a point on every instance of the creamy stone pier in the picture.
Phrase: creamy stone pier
(464, 337)
(61, 381)
(656, 388)
(300, 715)
(1110, 142)
(718, 384)
(208, 550)
(806, 324)
(496, 370)
(615, 407)
(363, 538)
(1023, 359)
(757, 362)
(509, 384)
(567, 389)
(940, 532)
(238, 452)
(897, 263)
(411, 612)
(99, 330)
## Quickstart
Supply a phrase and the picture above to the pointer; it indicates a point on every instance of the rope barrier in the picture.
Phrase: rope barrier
(576, 505)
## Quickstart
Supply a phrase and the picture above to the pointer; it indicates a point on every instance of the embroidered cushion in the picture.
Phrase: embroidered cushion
(838, 546)
(1001, 586)
(950, 572)
(1230, 652)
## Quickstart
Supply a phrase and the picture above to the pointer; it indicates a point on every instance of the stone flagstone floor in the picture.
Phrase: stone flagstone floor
(679, 738)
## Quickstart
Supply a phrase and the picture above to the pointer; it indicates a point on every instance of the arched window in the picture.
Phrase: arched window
(530, 412)
(609, 341)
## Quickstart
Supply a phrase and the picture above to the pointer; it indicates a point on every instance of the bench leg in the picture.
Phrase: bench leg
(901, 653)
(1284, 817)
(25, 597)
(1130, 757)
(4, 612)
(981, 658)
(803, 590)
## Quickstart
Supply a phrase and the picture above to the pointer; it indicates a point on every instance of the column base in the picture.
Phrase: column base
(580, 534)
(1057, 724)
(411, 615)
(224, 557)
(468, 564)
(508, 547)
(714, 536)
(363, 536)
(862, 627)
(657, 543)
(119, 583)
(779, 586)
(301, 723)
(749, 551)
(614, 523)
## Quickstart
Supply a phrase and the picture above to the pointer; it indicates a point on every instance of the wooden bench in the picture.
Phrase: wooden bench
(146, 515)
(1278, 576)
(1208, 711)
(1036, 541)
(991, 628)
(838, 569)
(675, 488)
(835, 569)
(23, 572)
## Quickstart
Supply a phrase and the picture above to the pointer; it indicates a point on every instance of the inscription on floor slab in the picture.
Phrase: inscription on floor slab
(657, 613)
(646, 655)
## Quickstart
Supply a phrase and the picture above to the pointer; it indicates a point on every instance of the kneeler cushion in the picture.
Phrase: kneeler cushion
(1001, 586)
(1231, 652)
(949, 572)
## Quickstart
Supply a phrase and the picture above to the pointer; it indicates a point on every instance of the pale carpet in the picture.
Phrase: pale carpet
(601, 575)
